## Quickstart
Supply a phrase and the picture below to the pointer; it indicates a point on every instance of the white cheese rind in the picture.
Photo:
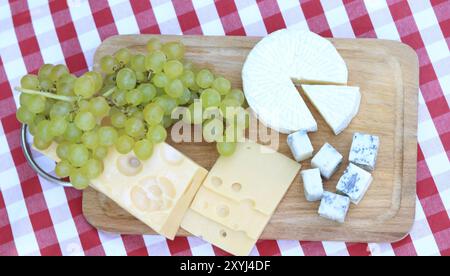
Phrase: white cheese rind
(328, 160)
(300, 145)
(354, 183)
(334, 207)
(338, 105)
(364, 150)
(312, 184)
(275, 61)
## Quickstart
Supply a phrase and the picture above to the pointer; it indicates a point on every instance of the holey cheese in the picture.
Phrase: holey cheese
(156, 191)
(238, 197)
(278, 60)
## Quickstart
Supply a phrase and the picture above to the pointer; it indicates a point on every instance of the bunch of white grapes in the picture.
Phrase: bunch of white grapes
(127, 106)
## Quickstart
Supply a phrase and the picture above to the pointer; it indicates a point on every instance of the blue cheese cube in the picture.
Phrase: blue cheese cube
(327, 160)
(312, 184)
(354, 183)
(364, 150)
(334, 207)
(300, 145)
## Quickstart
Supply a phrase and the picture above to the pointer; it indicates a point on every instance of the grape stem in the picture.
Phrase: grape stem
(109, 92)
(46, 94)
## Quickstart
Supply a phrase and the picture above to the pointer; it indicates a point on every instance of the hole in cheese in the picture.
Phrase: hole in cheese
(223, 211)
(223, 233)
(129, 165)
(216, 181)
(236, 187)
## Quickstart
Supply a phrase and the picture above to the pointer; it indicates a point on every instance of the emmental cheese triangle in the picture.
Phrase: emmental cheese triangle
(239, 196)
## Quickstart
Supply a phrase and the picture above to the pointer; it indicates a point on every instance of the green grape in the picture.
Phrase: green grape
(124, 144)
(96, 78)
(119, 97)
(226, 148)
(65, 88)
(41, 144)
(194, 114)
(110, 79)
(173, 50)
(85, 120)
(62, 150)
(78, 155)
(72, 133)
(48, 106)
(83, 105)
(236, 94)
(188, 78)
(58, 139)
(66, 78)
(213, 130)
(167, 103)
(185, 97)
(126, 79)
(153, 44)
(107, 136)
(92, 169)
(143, 149)
(118, 119)
(123, 56)
(167, 121)
(155, 61)
(36, 104)
(222, 85)
(160, 80)
(100, 153)
(99, 107)
(173, 69)
(109, 64)
(228, 105)
(46, 85)
(137, 63)
(57, 71)
(25, 99)
(78, 180)
(157, 134)
(210, 97)
(134, 97)
(63, 169)
(138, 114)
(174, 88)
(204, 78)
(84, 86)
(135, 127)
(212, 112)
(44, 71)
(90, 139)
(153, 114)
(43, 131)
(141, 77)
(148, 91)
(24, 115)
(159, 92)
(58, 126)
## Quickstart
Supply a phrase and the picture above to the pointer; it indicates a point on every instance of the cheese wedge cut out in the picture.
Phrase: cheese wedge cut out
(275, 62)
(239, 196)
(338, 105)
(157, 191)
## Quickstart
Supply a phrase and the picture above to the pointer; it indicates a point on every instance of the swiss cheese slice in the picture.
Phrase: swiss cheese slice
(275, 62)
(337, 104)
(157, 191)
(239, 196)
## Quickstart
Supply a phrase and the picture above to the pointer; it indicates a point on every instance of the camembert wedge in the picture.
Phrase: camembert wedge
(278, 60)
(338, 105)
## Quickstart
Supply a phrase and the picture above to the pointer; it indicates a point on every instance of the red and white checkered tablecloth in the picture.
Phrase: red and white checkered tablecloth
(40, 218)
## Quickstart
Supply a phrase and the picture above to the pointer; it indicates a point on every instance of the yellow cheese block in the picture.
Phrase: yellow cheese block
(239, 196)
(157, 191)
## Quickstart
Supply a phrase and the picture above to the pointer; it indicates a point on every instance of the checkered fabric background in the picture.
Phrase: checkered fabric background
(39, 218)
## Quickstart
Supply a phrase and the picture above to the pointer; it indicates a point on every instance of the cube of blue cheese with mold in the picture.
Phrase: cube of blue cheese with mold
(364, 150)
(300, 145)
(334, 207)
(312, 184)
(327, 160)
(354, 183)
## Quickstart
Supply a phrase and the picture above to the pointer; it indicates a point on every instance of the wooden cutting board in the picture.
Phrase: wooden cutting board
(386, 72)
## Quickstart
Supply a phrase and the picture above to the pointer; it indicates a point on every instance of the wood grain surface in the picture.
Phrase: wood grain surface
(386, 72)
